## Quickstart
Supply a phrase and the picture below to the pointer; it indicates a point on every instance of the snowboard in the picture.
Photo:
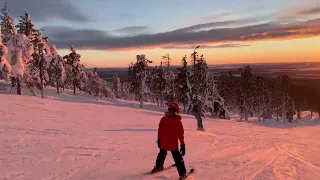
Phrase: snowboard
(191, 171)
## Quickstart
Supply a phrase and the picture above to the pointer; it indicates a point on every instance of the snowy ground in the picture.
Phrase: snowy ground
(67, 137)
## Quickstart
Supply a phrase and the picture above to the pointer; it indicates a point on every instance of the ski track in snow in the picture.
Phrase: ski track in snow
(87, 139)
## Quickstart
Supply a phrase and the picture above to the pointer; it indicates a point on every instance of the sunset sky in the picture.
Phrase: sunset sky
(110, 33)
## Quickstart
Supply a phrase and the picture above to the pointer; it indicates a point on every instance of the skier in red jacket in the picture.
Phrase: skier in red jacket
(169, 132)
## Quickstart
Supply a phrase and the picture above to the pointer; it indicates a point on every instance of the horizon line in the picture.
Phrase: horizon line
(283, 62)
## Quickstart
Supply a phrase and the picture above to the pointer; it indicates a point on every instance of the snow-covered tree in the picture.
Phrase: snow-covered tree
(200, 83)
(106, 91)
(7, 24)
(56, 70)
(125, 89)
(262, 99)
(94, 84)
(25, 26)
(38, 64)
(5, 67)
(20, 52)
(245, 91)
(282, 99)
(137, 76)
(214, 102)
(227, 87)
(167, 60)
(183, 85)
(74, 69)
(158, 83)
(116, 86)
(169, 93)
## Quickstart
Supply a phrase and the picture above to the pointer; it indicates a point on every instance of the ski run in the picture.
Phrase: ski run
(77, 137)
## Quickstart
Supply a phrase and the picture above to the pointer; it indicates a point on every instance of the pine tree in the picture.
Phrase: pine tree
(7, 24)
(182, 83)
(25, 26)
(283, 102)
(200, 80)
(158, 83)
(167, 60)
(116, 86)
(170, 95)
(106, 91)
(125, 91)
(56, 69)
(74, 69)
(94, 84)
(245, 95)
(227, 87)
(137, 75)
(5, 67)
(262, 99)
(20, 52)
(38, 64)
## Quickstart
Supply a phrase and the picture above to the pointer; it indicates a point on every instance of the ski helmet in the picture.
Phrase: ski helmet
(174, 106)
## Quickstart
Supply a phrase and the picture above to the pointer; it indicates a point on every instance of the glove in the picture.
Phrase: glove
(182, 149)
(159, 144)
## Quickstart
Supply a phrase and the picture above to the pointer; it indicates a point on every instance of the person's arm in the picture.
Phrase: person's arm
(160, 129)
(180, 132)
(200, 108)
(181, 139)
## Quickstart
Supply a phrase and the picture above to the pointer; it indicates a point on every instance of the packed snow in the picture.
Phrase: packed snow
(77, 137)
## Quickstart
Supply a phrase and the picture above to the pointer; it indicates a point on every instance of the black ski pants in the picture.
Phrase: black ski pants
(178, 159)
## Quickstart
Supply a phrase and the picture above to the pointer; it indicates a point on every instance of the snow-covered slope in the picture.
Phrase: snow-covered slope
(75, 137)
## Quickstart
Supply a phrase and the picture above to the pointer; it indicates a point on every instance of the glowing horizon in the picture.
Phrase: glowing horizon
(297, 50)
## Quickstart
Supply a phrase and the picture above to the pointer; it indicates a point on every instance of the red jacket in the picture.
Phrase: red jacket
(170, 131)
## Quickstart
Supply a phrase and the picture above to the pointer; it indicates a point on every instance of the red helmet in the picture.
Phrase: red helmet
(174, 106)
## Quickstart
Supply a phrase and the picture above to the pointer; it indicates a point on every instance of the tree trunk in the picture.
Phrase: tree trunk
(241, 113)
(58, 89)
(32, 92)
(284, 110)
(141, 100)
(299, 113)
(259, 104)
(18, 86)
(74, 87)
(57, 75)
(277, 109)
(246, 115)
(41, 81)
(246, 111)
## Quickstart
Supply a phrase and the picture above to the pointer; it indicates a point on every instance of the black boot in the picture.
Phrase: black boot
(183, 177)
(157, 169)
(160, 161)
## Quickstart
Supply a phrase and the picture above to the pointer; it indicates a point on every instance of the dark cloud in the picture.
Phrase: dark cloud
(70, 34)
(234, 45)
(133, 30)
(219, 24)
(217, 16)
(94, 39)
(42, 10)
(311, 11)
